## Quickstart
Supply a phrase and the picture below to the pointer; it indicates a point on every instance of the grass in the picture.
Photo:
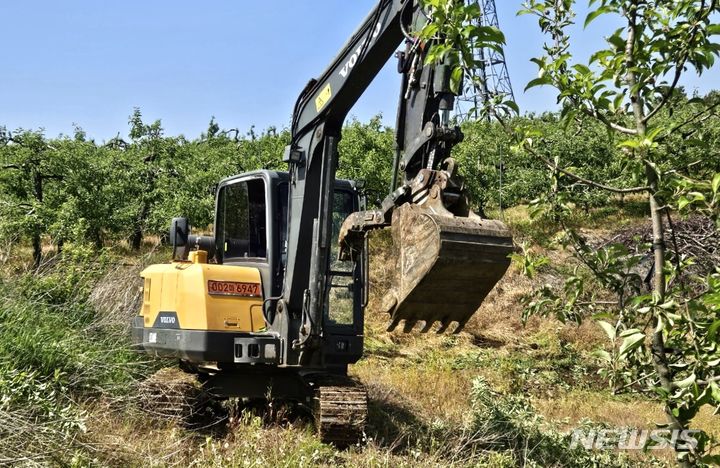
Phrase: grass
(501, 393)
(544, 232)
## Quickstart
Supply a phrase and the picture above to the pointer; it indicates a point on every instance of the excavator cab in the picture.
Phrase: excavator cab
(251, 231)
(214, 302)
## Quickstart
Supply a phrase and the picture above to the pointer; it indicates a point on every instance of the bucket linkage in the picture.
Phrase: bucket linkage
(446, 262)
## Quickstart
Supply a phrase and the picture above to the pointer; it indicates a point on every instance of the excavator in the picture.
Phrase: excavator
(272, 304)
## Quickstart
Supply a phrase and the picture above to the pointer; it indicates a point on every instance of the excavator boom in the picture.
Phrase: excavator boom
(441, 246)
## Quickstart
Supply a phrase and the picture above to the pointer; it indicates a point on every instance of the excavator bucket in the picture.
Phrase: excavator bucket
(446, 266)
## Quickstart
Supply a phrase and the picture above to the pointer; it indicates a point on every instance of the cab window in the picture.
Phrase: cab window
(241, 221)
(341, 291)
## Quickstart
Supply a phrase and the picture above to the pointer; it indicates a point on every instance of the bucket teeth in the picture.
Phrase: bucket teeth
(445, 267)
(428, 326)
(443, 327)
(393, 325)
(409, 325)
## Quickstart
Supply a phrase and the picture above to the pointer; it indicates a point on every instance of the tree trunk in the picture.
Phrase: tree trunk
(659, 357)
(97, 238)
(37, 250)
(137, 235)
(38, 191)
(136, 238)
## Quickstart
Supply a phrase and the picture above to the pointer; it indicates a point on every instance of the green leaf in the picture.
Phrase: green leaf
(697, 196)
(609, 329)
(716, 183)
(630, 343)
(603, 355)
(582, 69)
(715, 391)
(600, 55)
(685, 383)
(711, 459)
(629, 332)
(595, 14)
(660, 324)
(542, 81)
(512, 105)
(456, 79)
(429, 30)
(617, 40)
(630, 144)
(712, 331)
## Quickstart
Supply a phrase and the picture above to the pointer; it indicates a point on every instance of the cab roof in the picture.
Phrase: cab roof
(280, 176)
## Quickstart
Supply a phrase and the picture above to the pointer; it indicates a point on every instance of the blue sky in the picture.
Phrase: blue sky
(89, 62)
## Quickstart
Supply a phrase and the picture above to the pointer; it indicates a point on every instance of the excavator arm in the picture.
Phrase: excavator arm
(312, 159)
(441, 245)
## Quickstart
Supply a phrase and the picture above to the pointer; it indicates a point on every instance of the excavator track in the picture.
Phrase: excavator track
(341, 407)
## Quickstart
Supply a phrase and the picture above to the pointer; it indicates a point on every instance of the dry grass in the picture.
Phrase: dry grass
(432, 394)
(617, 411)
(419, 387)
(627, 411)
(125, 438)
(117, 297)
(415, 372)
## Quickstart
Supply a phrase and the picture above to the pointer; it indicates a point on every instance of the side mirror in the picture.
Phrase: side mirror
(179, 232)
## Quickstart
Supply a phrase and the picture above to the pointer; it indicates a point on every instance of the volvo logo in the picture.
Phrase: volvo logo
(354, 58)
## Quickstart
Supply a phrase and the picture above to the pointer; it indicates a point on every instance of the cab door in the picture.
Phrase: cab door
(346, 290)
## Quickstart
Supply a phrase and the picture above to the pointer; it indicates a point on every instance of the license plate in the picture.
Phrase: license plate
(233, 288)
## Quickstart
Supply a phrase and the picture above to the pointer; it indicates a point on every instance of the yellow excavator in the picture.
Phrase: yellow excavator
(272, 305)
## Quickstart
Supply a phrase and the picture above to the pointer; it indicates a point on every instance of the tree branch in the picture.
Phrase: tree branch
(555, 167)
(608, 123)
(681, 63)
(666, 96)
(116, 142)
(710, 380)
(625, 387)
(689, 121)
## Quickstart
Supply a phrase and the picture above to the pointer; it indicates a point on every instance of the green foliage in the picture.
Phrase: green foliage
(99, 193)
(454, 34)
(511, 425)
(45, 318)
(661, 340)
(527, 262)
(366, 153)
(74, 190)
(286, 447)
(54, 353)
(662, 40)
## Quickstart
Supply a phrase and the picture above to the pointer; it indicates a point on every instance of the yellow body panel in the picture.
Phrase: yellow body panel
(182, 287)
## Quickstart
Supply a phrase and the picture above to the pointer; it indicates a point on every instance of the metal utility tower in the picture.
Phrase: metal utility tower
(493, 72)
